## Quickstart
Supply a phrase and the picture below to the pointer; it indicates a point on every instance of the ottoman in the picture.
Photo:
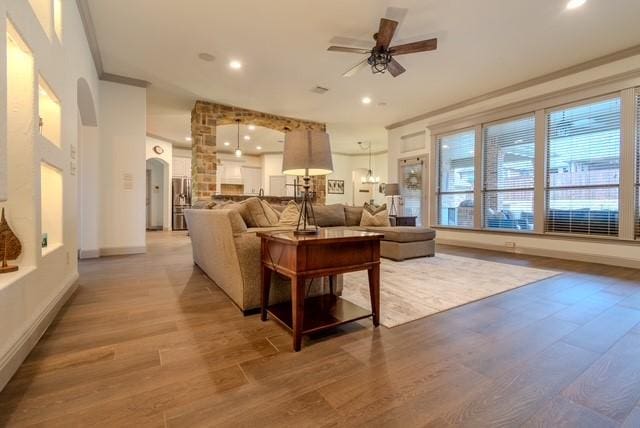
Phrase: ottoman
(406, 242)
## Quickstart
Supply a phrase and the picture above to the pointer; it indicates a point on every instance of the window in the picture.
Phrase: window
(456, 172)
(509, 153)
(583, 168)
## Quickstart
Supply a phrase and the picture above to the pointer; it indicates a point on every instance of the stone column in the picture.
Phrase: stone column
(203, 158)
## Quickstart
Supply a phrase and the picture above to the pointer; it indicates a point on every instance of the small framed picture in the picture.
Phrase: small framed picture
(335, 187)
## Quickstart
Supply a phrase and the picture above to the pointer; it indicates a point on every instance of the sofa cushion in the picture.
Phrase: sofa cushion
(203, 204)
(237, 222)
(405, 233)
(352, 215)
(378, 219)
(329, 215)
(289, 215)
(258, 213)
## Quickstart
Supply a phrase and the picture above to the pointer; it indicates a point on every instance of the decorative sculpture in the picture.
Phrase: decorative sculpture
(10, 247)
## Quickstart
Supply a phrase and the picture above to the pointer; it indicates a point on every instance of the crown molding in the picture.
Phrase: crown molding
(92, 40)
(596, 62)
(174, 143)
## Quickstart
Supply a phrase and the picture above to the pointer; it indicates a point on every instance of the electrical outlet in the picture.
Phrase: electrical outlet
(510, 244)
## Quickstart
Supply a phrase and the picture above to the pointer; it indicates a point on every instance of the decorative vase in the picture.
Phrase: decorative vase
(10, 247)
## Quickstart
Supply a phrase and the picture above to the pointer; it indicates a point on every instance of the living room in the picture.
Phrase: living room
(320, 213)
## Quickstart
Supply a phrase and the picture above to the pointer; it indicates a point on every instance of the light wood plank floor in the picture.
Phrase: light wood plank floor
(148, 340)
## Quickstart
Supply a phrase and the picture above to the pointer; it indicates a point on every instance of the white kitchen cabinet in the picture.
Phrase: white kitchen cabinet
(182, 167)
(252, 180)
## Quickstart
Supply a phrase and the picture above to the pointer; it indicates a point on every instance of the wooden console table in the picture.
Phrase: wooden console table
(328, 254)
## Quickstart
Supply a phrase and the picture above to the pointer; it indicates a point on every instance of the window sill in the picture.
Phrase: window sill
(548, 235)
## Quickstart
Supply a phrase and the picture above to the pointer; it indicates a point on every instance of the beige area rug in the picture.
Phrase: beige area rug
(416, 288)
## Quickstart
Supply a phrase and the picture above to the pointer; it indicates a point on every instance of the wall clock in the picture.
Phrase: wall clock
(159, 150)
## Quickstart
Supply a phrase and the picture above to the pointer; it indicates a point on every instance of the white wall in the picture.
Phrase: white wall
(528, 244)
(122, 174)
(89, 191)
(28, 297)
(167, 160)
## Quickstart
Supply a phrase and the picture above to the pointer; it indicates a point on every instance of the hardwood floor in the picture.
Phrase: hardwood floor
(148, 340)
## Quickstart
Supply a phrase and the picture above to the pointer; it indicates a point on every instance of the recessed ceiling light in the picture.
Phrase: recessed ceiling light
(258, 147)
(206, 56)
(226, 143)
(444, 146)
(573, 4)
(187, 138)
(235, 64)
(247, 137)
(366, 100)
(252, 127)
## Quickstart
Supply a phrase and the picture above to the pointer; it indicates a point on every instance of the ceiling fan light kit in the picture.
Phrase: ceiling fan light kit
(381, 57)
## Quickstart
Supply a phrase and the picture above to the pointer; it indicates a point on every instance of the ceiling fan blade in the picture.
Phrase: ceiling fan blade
(385, 33)
(395, 68)
(421, 46)
(348, 50)
(353, 70)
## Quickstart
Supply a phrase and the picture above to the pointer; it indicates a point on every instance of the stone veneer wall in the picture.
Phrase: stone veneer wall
(205, 116)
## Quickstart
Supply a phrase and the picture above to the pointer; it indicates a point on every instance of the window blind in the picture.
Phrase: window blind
(583, 169)
(508, 166)
(456, 177)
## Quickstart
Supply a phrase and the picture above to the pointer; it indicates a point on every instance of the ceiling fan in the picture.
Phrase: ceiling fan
(381, 56)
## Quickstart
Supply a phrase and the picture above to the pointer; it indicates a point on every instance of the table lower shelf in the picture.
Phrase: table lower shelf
(320, 313)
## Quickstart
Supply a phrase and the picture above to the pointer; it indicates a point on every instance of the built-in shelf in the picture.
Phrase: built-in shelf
(12, 277)
(44, 12)
(57, 19)
(21, 167)
(50, 249)
(49, 111)
(51, 206)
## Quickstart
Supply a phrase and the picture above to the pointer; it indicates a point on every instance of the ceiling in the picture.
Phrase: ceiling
(268, 140)
(483, 46)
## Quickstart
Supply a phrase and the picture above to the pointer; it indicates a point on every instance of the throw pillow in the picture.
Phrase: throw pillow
(259, 213)
(289, 216)
(329, 215)
(352, 215)
(379, 219)
(373, 208)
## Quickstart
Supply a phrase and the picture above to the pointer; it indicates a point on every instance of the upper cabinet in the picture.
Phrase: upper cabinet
(181, 167)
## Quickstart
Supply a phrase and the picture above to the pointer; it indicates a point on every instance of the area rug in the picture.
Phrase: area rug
(416, 288)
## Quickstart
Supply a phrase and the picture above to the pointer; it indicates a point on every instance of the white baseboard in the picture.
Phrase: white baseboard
(90, 254)
(16, 354)
(556, 254)
(122, 251)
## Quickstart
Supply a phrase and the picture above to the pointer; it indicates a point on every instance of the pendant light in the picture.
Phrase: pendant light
(238, 151)
(370, 178)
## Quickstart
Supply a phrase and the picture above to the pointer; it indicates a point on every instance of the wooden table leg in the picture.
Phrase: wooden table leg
(374, 292)
(332, 284)
(265, 288)
(297, 310)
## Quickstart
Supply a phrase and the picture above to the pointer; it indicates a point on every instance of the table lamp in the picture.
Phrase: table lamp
(393, 190)
(306, 153)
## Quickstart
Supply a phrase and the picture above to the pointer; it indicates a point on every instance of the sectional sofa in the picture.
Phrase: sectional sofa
(227, 249)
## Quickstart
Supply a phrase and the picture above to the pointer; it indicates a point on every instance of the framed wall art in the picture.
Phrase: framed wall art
(335, 187)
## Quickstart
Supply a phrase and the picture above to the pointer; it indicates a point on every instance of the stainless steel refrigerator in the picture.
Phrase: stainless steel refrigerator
(181, 196)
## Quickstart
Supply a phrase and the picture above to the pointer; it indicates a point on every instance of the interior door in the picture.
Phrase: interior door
(413, 188)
